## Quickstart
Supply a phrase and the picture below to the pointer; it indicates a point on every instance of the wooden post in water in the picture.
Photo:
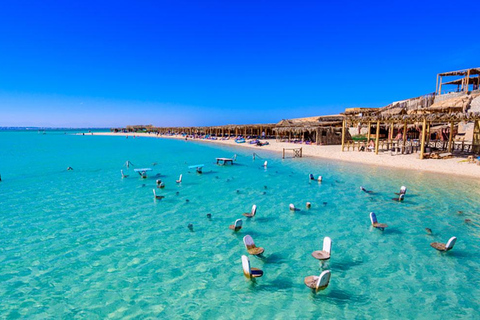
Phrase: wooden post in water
(343, 135)
(283, 155)
(377, 137)
(422, 143)
(450, 137)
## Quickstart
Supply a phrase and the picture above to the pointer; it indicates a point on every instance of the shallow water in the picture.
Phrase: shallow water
(86, 243)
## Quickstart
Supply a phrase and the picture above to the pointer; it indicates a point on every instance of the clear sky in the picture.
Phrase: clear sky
(99, 63)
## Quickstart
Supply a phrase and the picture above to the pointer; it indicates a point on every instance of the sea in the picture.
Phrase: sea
(88, 244)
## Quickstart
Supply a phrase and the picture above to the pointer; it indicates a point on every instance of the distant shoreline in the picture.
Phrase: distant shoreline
(451, 166)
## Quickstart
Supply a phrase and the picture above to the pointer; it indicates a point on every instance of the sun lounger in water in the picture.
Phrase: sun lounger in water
(237, 225)
(320, 282)
(444, 247)
(198, 167)
(252, 213)
(157, 197)
(250, 246)
(179, 179)
(375, 223)
(142, 172)
(250, 272)
(325, 253)
(403, 190)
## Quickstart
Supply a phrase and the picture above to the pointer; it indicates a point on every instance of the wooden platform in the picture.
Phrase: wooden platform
(224, 161)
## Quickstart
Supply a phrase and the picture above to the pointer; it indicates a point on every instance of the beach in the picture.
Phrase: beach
(453, 166)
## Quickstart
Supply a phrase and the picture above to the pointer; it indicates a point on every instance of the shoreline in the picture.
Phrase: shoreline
(454, 166)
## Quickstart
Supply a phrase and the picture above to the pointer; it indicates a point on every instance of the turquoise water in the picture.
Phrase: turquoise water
(88, 244)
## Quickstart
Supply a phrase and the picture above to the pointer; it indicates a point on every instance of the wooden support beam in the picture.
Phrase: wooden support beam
(467, 80)
(377, 137)
(440, 87)
(404, 135)
(476, 137)
(368, 131)
(422, 143)
(343, 134)
(428, 133)
(450, 137)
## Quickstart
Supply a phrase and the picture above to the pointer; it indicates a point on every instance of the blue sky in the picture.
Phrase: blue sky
(113, 63)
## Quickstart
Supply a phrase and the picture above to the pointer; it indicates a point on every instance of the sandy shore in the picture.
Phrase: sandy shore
(454, 166)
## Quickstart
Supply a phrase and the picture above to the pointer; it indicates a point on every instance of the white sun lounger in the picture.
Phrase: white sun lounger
(320, 282)
(444, 247)
(250, 246)
(250, 272)
(373, 219)
(252, 213)
(237, 225)
(325, 253)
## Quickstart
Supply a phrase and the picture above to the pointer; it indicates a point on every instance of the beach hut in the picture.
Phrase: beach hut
(320, 282)
(250, 246)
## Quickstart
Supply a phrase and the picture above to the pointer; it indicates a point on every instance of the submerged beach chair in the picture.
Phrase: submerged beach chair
(400, 198)
(325, 253)
(444, 247)
(156, 197)
(375, 223)
(250, 273)
(320, 282)
(252, 213)
(237, 225)
(160, 184)
(403, 190)
(123, 175)
(179, 179)
(251, 247)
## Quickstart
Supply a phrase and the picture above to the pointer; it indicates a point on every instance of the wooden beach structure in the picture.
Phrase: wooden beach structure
(319, 130)
(436, 125)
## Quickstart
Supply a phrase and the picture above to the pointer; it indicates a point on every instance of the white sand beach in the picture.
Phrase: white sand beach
(453, 166)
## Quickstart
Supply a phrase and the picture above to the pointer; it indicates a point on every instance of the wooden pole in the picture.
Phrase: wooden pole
(467, 80)
(404, 135)
(428, 133)
(368, 132)
(436, 85)
(377, 137)
(476, 137)
(343, 135)
(391, 132)
(422, 143)
(440, 87)
(450, 137)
